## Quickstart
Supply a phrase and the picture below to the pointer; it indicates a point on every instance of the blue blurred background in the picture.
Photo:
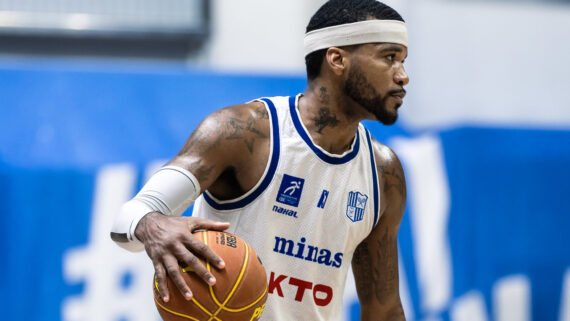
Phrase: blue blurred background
(94, 96)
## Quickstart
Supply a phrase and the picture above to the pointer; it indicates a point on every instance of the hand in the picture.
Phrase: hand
(168, 240)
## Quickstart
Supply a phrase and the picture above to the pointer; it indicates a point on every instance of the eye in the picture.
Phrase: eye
(391, 57)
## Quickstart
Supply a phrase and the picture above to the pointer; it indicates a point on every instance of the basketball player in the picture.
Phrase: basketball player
(299, 178)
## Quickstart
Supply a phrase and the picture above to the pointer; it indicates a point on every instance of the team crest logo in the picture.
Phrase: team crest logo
(356, 206)
(290, 190)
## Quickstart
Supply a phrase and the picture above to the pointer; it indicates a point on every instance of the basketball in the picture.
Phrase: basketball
(240, 291)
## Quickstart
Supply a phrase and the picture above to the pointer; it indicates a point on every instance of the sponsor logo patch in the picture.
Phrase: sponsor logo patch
(290, 190)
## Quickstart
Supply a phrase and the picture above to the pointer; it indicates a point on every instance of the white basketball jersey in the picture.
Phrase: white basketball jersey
(305, 216)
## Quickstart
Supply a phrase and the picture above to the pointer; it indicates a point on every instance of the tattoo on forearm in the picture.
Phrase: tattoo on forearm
(382, 280)
(362, 265)
(377, 275)
(375, 266)
(386, 271)
(386, 278)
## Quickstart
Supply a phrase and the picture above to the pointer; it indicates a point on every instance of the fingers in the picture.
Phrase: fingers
(199, 247)
(171, 269)
(196, 265)
(161, 280)
(167, 250)
(204, 251)
(175, 274)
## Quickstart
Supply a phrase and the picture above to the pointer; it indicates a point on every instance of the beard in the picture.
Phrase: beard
(359, 89)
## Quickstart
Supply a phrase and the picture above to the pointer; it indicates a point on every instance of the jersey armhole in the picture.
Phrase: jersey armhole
(374, 171)
(268, 174)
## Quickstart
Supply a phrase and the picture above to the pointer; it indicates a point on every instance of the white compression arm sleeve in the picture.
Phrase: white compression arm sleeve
(169, 191)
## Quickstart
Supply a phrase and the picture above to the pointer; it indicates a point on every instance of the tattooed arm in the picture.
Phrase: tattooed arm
(227, 153)
(375, 261)
(229, 150)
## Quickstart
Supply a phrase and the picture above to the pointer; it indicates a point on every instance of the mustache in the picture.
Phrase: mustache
(397, 91)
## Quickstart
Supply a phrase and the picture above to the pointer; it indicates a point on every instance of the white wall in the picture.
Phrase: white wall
(488, 63)
(259, 35)
(469, 62)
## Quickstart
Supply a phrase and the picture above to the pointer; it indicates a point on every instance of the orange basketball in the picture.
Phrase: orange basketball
(239, 293)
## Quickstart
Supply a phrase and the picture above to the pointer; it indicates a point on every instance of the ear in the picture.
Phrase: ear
(337, 60)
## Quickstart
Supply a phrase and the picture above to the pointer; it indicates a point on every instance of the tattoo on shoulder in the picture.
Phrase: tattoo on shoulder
(201, 140)
(245, 130)
(228, 124)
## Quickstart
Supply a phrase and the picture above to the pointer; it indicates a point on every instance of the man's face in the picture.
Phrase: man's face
(376, 79)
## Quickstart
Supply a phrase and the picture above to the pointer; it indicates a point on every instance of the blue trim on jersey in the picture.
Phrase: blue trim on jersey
(374, 177)
(335, 160)
(268, 177)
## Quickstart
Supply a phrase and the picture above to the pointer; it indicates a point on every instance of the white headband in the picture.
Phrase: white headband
(368, 31)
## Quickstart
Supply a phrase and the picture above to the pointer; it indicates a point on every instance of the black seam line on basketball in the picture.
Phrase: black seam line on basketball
(242, 272)
(119, 237)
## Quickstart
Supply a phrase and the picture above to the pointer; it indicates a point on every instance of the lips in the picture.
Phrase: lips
(398, 93)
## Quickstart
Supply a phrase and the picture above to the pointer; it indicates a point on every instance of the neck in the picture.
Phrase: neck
(329, 116)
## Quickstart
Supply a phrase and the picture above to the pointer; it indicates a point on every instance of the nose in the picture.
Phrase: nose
(400, 76)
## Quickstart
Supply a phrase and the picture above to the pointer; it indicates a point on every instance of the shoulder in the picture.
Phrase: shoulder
(385, 158)
(228, 131)
(387, 163)
(252, 113)
(238, 122)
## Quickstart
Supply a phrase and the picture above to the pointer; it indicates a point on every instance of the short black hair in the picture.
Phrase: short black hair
(338, 12)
